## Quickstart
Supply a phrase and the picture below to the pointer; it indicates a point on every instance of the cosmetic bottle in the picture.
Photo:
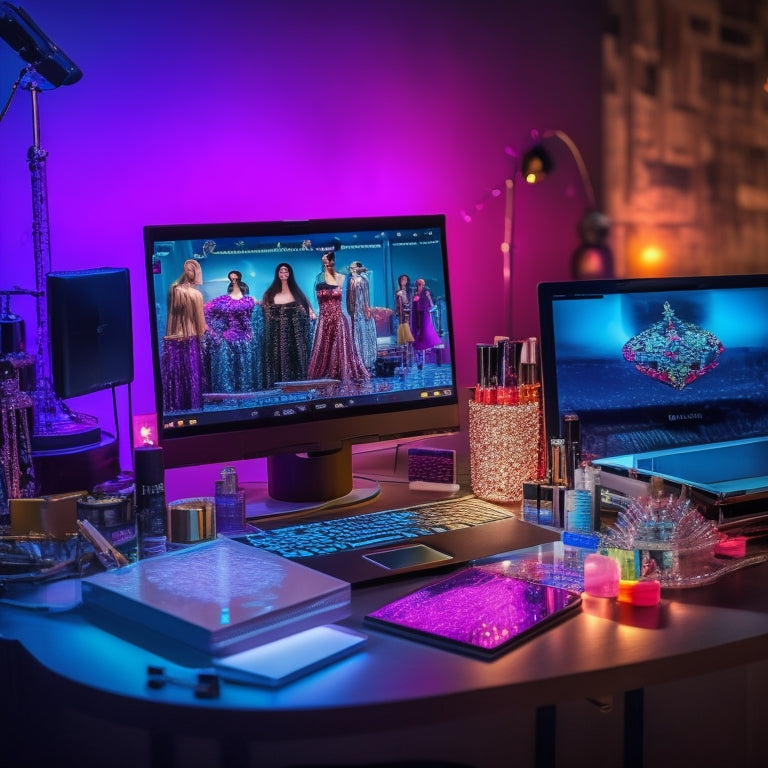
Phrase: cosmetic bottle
(507, 371)
(572, 438)
(578, 504)
(229, 502)
(557, 462)
(530, 392)
(530, 384)
(485, 392)
(151, 514)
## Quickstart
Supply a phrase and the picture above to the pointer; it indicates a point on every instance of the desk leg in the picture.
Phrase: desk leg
(233, 754)
(162, 749)
(633, 728)
(546, 733)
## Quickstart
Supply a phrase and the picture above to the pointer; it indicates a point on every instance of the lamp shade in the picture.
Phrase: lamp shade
(36, 48)
(536, 164)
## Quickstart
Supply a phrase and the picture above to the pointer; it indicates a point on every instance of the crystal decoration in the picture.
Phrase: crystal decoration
(672, 541)
(673, 351)
(17, 475)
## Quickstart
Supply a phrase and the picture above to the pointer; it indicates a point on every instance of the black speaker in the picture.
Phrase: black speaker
(89, 325)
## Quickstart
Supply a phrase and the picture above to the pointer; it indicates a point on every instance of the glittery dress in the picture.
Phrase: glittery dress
(234, 351)
(334, 355)
(363, 328)
(424, 333)
(287, 336)
(403, 313)
(182, 359)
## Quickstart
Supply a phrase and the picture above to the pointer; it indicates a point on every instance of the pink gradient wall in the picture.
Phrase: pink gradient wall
(243, 110)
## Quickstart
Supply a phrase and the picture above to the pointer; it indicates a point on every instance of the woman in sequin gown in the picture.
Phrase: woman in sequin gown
(287, 328)
(360, 315)
(182, 361)
(424, 333)
(234, 351)
(334, 355)
(403, 296)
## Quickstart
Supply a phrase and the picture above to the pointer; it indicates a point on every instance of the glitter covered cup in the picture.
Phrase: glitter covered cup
(504, 449)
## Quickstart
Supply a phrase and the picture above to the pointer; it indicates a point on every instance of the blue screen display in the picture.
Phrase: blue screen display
(650, 365)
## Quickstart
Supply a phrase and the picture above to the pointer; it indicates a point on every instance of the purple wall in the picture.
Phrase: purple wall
(260, 111)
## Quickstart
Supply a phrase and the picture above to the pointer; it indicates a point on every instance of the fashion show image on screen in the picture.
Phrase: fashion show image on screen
(289, 337)
(649, 366)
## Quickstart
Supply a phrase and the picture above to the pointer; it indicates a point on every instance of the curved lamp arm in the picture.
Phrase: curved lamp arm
(574, 150)
(519, 167)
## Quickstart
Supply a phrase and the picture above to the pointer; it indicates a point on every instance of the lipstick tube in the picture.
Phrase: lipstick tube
(530, 382)
(507, 375)
(485, 392)
(572, 437)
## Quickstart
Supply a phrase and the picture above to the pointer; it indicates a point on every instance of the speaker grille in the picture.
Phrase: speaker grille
(89, 320)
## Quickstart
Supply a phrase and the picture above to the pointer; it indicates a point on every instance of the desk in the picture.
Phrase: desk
(394, 700)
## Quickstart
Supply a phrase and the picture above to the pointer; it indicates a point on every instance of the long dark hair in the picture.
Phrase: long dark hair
(239, 280)
(330, 257)
(276, 286)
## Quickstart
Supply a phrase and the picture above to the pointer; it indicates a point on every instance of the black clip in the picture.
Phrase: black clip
(206, 686)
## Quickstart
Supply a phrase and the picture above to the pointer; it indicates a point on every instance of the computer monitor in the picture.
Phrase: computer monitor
(286, 340)
(652, 364)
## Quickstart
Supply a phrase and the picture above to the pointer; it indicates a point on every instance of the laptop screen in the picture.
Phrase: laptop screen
(652, 364)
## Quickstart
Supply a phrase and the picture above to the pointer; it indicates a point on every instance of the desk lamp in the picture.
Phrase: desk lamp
(593, 259)
(533, 166)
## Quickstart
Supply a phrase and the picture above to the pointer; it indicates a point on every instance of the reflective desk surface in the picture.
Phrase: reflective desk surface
(392, 682)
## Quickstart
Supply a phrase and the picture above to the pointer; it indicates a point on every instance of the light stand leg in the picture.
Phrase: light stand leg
(51, 417)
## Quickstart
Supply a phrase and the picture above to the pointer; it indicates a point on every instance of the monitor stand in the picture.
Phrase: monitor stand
(308, 482)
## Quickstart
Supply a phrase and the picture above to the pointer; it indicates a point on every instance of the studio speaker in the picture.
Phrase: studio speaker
(89, 324)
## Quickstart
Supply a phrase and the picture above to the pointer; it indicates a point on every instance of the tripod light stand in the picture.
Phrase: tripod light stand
(48, 67)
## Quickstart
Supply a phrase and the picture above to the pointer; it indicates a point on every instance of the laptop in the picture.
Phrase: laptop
(669, 380)
(382, 558)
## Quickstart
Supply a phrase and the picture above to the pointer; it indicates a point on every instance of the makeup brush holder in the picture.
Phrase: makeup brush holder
(504, 449)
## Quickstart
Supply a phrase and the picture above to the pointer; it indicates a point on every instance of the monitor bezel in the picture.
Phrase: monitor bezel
(203, 444)
(549, 292)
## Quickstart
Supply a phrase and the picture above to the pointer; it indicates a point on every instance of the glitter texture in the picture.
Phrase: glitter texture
(17, 474)
(483, 607)
(183, 373)
(504, 443)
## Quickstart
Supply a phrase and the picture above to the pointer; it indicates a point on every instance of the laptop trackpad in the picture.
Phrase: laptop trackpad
(406, 557)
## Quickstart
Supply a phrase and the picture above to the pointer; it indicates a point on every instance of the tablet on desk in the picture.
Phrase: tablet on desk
(482, 611)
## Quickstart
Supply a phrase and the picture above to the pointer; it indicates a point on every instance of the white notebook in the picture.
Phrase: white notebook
(277, 663)
(218, 597)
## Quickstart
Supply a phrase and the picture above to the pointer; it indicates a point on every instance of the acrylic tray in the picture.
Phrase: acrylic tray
(670, 540)
(39, 557)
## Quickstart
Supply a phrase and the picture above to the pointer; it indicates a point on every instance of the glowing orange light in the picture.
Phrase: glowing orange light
(651, 257)
(144, 429)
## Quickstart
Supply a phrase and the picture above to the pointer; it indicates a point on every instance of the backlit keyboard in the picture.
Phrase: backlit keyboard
(392, 526)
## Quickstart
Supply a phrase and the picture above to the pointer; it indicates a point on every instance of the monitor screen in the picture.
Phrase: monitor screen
(295, 340)
(656, 363)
